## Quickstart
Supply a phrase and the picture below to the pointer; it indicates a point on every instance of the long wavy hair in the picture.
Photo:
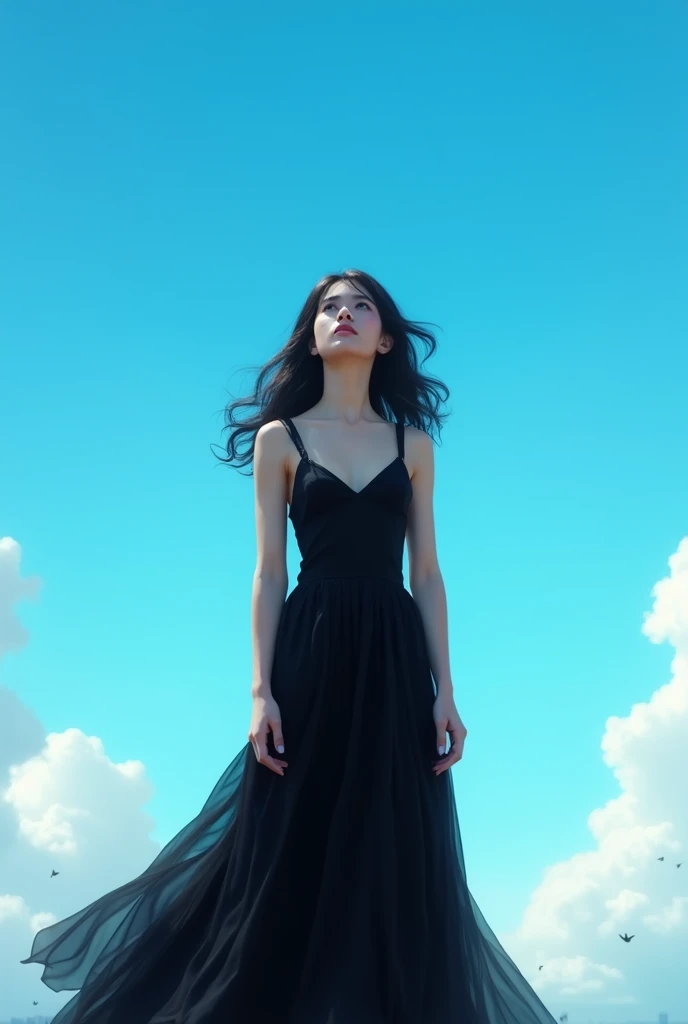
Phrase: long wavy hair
(292, 381)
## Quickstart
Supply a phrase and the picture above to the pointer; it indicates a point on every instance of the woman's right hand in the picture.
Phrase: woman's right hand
(266, 718)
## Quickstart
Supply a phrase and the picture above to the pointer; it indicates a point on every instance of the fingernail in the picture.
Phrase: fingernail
(280, 749)
(440, 751)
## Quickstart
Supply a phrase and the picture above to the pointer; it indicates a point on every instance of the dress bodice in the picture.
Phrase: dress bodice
(342, 532)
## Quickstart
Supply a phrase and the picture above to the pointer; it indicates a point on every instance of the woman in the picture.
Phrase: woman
(323, 881)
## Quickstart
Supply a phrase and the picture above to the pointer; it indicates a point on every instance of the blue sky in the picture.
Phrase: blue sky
(176, 178)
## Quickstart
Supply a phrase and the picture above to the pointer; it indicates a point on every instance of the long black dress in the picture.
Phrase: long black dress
(335, 894)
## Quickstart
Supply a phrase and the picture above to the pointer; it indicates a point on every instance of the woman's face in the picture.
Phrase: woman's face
(345, 304)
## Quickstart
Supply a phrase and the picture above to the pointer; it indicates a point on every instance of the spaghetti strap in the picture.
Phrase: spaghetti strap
(294, 435)
(400, 438)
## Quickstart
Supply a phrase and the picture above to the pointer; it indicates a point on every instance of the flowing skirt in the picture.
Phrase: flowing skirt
(335, 894)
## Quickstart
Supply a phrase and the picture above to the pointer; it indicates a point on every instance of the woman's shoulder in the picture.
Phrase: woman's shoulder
(273, 428)
(418, 440)
(418, 450)
(272, 438)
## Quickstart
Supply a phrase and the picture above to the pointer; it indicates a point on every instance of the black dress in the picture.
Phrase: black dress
(335, 894)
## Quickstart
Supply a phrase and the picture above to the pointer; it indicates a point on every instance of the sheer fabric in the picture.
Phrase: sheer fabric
(336, 894)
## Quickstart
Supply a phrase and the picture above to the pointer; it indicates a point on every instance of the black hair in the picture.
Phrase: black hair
(291, 382)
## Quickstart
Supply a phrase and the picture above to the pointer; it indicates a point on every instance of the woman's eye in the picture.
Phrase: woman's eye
(361, 303)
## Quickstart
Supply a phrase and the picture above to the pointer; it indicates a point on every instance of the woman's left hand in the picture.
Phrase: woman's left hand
(448, 720)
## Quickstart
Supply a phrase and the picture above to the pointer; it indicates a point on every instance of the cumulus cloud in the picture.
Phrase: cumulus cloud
(74, 811)
(13, 589)
(574, 918)
(64, 804)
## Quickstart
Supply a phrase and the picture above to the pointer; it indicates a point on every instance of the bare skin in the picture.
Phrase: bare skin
(344, 433)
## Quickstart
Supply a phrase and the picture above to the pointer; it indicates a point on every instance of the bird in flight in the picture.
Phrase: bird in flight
(54, 872)
(626, 937)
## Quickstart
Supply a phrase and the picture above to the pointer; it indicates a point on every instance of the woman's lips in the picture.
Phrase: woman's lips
(344, 330)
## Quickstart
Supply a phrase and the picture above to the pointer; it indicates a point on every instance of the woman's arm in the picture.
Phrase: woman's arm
(270, 579)
(425, 578)
(428, 591)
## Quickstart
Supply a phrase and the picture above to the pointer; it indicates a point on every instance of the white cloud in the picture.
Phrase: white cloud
(64, 804)
(80, 813)
(622, 886)
(13, 589)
